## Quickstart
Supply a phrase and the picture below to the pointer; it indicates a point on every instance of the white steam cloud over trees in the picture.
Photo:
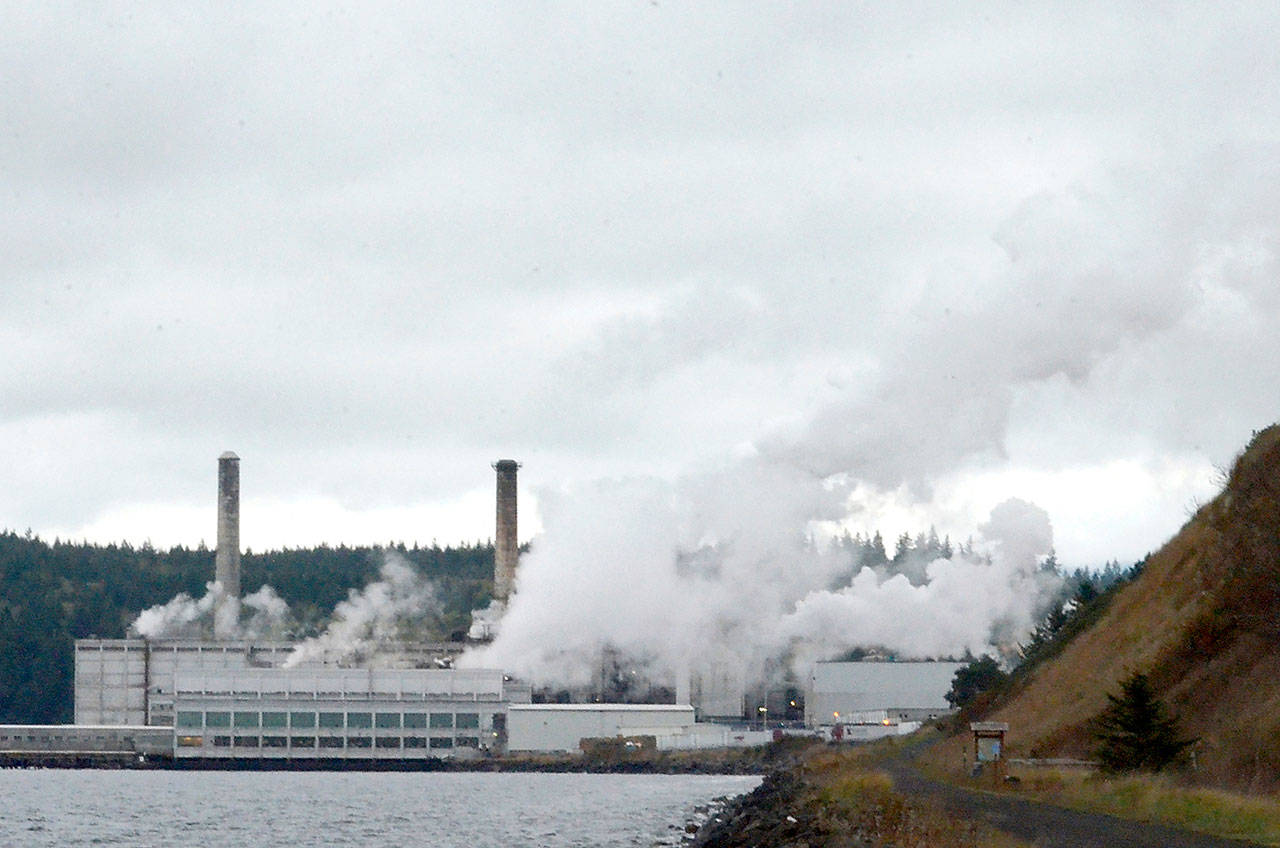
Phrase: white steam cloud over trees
(723, 571)
(742, 563)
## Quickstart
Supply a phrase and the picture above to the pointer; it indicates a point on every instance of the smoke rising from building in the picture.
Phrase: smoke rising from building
(721, 562)
(970, 603)
(259, 615)
(401, 606)
(720, 572)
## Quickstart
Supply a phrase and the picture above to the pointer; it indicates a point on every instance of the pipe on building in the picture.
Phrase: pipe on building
(506, 544)
(227, 559)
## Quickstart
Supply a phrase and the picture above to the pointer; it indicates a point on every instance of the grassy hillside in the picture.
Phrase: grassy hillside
(1202, 620)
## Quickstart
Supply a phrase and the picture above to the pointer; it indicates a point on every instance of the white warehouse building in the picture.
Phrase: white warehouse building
(131, 681)
(872, 692)
(235, 700)
(559, 728)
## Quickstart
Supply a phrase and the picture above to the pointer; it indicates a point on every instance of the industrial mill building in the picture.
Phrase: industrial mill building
(230, 698)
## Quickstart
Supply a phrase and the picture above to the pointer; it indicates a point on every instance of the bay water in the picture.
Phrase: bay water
(60, 807)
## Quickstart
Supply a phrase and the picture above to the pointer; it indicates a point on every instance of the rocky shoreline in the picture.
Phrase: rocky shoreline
(771, 814)
(837, 797)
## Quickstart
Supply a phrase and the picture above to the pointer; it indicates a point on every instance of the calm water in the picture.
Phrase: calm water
(213, 809)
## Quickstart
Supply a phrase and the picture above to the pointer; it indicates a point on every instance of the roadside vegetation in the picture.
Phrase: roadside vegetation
(863, 801)
(1155, 798)
(837, 797)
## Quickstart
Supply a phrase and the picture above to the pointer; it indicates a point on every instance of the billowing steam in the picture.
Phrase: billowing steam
(260, 615)
(183, 616)
(981, 602)
(722, 565)
(400, 606)
(720, 573)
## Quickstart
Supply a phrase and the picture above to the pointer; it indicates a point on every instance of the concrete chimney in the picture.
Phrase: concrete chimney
(684, 683)
(506, 544)
(227, 559)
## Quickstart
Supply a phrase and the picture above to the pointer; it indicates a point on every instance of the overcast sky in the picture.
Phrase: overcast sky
(946, 253)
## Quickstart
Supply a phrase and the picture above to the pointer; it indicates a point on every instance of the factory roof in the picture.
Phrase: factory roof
(600, 707)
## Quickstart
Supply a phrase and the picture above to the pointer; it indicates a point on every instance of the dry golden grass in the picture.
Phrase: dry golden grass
(1155, 798)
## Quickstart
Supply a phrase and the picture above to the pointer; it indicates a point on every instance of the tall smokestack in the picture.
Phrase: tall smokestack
(506, 546)
(227, 559)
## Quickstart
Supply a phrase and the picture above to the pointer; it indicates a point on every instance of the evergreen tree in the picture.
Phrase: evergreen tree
(1135, 731)
(876, 555)
(978, 676)
(902, 549)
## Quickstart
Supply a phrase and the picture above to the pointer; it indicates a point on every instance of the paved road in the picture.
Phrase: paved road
(1047, 826)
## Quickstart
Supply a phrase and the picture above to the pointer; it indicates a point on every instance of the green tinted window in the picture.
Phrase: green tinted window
(415, 719)
(442, 719)
(388, 720)
(275, 719)
(246, 719)
(190, 719)
(468, 719)
(331, 719)
(217, 719)
(302, 719)
(359, 719)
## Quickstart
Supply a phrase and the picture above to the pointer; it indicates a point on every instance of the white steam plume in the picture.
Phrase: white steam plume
(269, 616)
(978, 603)
(719, 571)
(194, 618)
(183, 616)
(400, 606)
(720, 564)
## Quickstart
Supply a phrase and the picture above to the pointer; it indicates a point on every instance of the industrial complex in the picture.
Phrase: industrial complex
(228, 698)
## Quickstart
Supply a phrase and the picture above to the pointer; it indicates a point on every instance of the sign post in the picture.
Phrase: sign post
(988, 746)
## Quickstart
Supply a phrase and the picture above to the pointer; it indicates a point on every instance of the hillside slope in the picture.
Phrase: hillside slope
(1203, 620)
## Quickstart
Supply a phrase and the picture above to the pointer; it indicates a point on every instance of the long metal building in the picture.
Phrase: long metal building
(303, 713)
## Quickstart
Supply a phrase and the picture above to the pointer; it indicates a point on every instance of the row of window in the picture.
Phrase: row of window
(331, 742)
(46, 738)
(328, 695)
(307, 720)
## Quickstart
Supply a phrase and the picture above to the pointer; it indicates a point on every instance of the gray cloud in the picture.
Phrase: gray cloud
(373, 249)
